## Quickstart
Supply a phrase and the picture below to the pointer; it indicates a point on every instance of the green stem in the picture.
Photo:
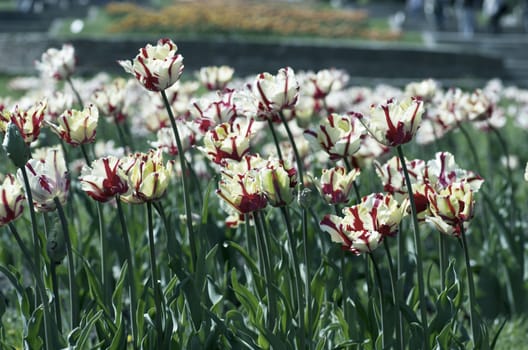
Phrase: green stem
(472, 299)
(105, 276)
(304, 229)
(272, 300)
(275, 139)
(50, 336)
(380, 293)
(56, 299)
(120, 134)
(472, 148)
(296, 274)
(186, 198)
(34, 228)
(76, 93)
(443, 260)
(418, 246)
(154, 276)
(392, 276)
(131, 279)
(74, 316)
(85, 155)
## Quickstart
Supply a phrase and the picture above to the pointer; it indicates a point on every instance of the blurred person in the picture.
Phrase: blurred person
(466, 17)
(495, 10)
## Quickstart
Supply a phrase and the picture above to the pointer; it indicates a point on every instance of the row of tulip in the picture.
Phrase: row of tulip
(227, 271)
(215, 17)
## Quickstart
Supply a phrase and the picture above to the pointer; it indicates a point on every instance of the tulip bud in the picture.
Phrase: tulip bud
(16, 148)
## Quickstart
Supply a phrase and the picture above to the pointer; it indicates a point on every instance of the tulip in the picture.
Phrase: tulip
(58, 64)
(319, 85)
(276, 93)
(215, 78)
(77, 127)
(11, 199)
(156, 67)
(395, 123)
(242, 191)
(278, 181)
(365, 225)
(228, 141)
(104, 179)
(338, 135)
(29, 122)
(336, 184)
(167, 142)
(443, 171)
(48, 179)
(147, 175)
(451, 208)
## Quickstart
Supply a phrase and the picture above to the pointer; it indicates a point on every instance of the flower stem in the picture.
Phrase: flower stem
(56, 299)
(443, 260)
(105, 277)
(304, 229)
(75, 92)
(275, 139)
(418, 245)
(131, 279)
(50, 337)
(34, 228)
(272, 301)
(392, 275)
(296, 274)
(74, 312)
(380, 293)
(472, 299)
(154, 276)
(186, 198)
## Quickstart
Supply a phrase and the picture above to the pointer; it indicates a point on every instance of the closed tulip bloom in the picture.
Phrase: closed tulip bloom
(156, 67)
(242, 191)
(148, 176)
(278, 181)
(395, 123)
(58, 64)
(208, 112)
(365, 225)
(29, 122)
(336, 184)
(228, 141)
(77, 127)
(451, 208)
(338, 135)
(11, 199)
(48, 179)
(276, 93)
(104, 179)
(215, 78)
(392, 177)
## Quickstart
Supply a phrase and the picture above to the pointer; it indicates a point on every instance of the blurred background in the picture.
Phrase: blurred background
(464, 42)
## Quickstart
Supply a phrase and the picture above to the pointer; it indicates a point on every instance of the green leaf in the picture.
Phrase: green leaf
(79, 336)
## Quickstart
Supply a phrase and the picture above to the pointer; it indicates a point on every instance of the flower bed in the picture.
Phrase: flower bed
(283, 210)
(245, 17)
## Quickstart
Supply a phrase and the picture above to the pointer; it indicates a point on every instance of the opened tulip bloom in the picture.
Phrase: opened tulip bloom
(156, 67)
(395, 123)
(104, 179)
(58, 64)
(336, 184)
(275, 93)
(228, 140)
(338, 135)
(365, 225)
(77, 127)
(11, 199)
(215, 78)
(48, 179)
(29, 121)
